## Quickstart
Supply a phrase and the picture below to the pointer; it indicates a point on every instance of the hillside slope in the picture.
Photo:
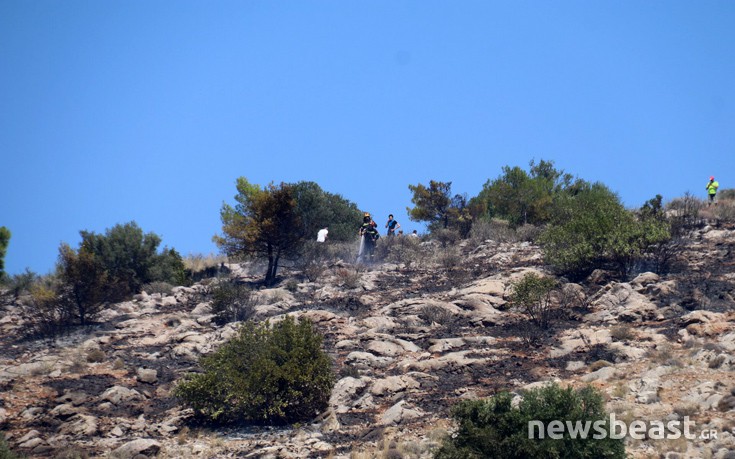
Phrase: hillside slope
(408, 341)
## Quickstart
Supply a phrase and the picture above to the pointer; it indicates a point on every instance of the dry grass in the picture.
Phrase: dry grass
(348, 278)
(199, 262)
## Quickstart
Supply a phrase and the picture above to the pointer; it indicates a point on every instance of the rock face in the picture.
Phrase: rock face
(408, 340)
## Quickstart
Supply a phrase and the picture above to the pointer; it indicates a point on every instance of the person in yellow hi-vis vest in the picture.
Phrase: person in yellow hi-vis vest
(711, 188)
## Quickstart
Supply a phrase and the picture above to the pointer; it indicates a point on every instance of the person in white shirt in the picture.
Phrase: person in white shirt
(321, 236)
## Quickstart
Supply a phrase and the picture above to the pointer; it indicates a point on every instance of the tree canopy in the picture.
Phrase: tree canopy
(522, 197)
(4, 241)
(436, 206)
(264, 223)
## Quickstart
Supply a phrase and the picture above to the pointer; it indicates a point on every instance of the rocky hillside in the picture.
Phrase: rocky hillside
(408, 341)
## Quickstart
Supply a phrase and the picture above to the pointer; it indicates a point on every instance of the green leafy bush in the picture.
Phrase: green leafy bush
(263, 375)
(4, 241)
(5, 451)
(130, 259)
(534, 295)
(592, 229)
(318, 208)
(522, 197)
(231, 302)
(19, 284)
(494, 428)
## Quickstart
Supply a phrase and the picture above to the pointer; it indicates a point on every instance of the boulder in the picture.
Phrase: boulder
(399, 413)
(118, 394)
(621, 304)
(345, 391)
(147, 375)
(393, 384)
(145, 446)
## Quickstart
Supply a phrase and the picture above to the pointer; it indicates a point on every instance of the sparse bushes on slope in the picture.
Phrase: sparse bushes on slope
(402, 249)
(494, 428)
(19, 284)
(264, 375)
(104, 269)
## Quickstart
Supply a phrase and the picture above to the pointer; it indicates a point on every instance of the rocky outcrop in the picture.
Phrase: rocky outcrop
(408, 340)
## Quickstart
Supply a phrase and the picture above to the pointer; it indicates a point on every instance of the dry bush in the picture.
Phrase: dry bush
(199, 262)
(202, 267)
(622, 333)
(528, 233)
(312, 260)
(163, 288)
(724, 210)
(446, 236)
(491, 230)
(45, 313)
(95, 355)
(449, 258)
(717, 362)
(687, 409)
(435, 314)
(598, 364)
(348, 278)
(401, 249)
(686, 207)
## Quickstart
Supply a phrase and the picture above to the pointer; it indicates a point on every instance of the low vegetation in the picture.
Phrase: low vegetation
(275, 374)
(498, 428)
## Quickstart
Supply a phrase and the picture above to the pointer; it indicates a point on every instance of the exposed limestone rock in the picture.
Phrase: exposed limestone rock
(143, 446)
(118, 394)
(345, 391)
(80, 425)
(362, 359)
(393, 384)
(147, 375)
(399, 413)
(407, 373)
(621, 304)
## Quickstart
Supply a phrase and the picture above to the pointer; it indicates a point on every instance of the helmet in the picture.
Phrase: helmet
(712, 178)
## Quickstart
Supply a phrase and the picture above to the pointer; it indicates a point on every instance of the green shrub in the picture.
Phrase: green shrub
(494, 229)
(263, 375)
(521, 197)
(231, 302)
(534, 295)
(494, 428)
(4, 241)
(45, 313)
(130, 259)
(5, 451)
(19, 284)
(592, 229)
(318, 208)
(163, 288)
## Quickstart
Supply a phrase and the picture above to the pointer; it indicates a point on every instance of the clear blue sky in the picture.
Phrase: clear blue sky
(113, 111)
